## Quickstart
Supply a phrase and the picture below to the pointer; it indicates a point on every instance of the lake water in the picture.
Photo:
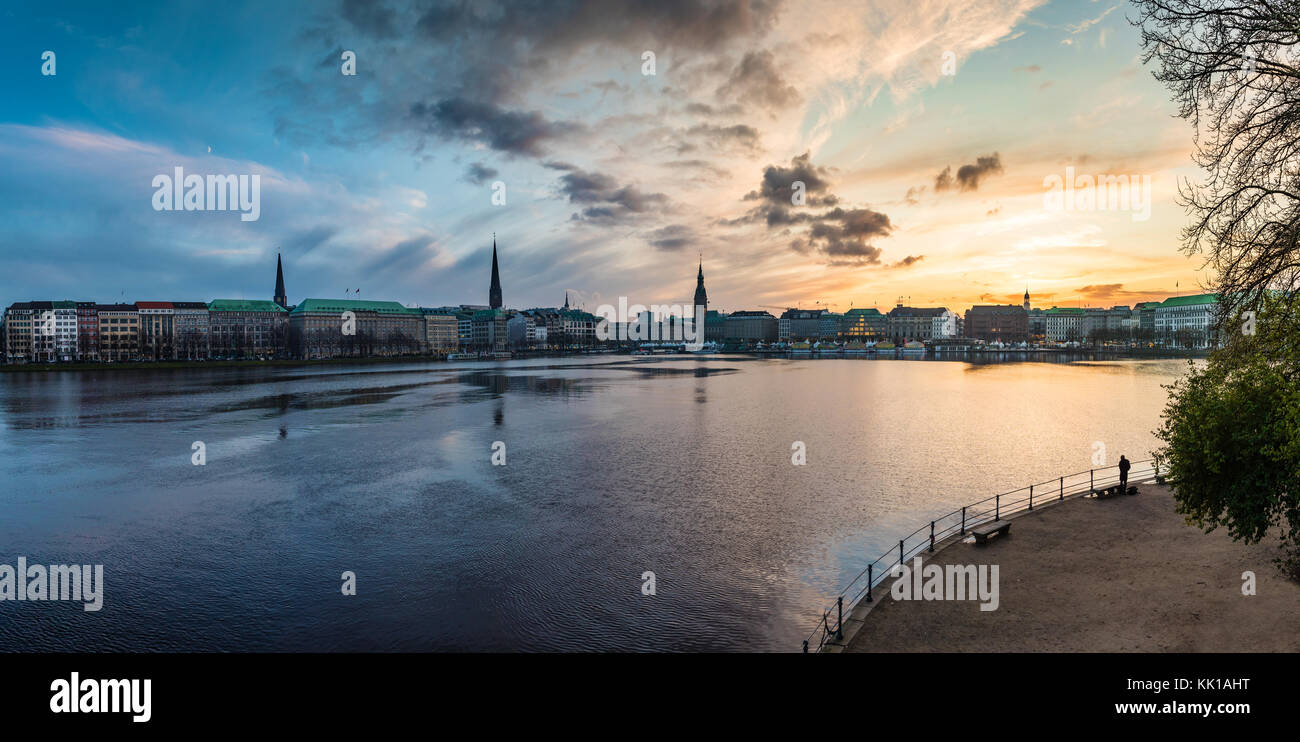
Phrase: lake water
(614, 467)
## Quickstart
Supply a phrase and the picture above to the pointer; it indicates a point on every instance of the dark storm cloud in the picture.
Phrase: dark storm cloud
(552, 26)
(844, 235)
(605, 199)
(672, 237)
(478, 173)
(969, 176)
(778, 183)
(513, 132)
(756, 81)
(723, 138)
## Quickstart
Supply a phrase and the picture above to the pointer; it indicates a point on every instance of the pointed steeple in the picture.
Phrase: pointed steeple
(494, 291)
(701, 296)
(566, 300)
(280, 297)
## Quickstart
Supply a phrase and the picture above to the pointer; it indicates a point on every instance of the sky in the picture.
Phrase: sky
(923, 133)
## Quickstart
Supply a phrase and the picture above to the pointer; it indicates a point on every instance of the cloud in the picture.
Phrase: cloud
(478, 173)
(778, 183)
(756, 81)
(513, 132)
(605, 200)
(672, 237)
(969, 176)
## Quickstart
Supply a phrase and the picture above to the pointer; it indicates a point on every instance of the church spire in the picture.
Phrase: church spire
(494, 291)
(701, 296)
(280, 297)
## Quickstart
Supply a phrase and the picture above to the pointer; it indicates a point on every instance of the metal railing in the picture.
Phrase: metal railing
(957, 523)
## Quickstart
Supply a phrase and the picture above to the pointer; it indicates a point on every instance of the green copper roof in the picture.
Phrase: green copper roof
(1187, 301)
(243, 305)
(337, 306)
(1064, 310)
(868, 311)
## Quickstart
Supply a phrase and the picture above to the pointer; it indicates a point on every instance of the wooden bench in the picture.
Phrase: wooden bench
(996, 528)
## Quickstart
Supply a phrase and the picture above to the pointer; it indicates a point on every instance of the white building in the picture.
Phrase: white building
(947, 324)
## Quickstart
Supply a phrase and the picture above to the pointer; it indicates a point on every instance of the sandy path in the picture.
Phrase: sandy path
(1118, 575)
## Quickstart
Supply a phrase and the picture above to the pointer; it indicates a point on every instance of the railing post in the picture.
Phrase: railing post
(805, 646)
(1062, 488)
(839, 620)
(997, 507)
(963, 520)
(900, 552)
(1031, 497)
(869, 580)
(931, 536)
(1091, 486)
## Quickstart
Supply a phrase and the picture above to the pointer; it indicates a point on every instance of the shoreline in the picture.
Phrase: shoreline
(974, 356)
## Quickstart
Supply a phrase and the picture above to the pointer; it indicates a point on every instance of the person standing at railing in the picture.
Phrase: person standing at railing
(1124, 466)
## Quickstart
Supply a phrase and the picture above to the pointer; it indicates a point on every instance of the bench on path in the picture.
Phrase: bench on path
(988, 530)
(1113, 491)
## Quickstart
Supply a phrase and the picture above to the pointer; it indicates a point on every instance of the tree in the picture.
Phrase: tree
(1231, 429)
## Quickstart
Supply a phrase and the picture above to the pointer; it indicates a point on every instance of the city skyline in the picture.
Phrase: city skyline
(921, 179)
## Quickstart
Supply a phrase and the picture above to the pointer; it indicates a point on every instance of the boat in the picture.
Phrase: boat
(886, 346)
(855, 348)
(914, 346)
(801, 349)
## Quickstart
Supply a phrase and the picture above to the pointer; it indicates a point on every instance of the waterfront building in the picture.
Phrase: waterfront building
(87, 331)
(829, 326)
(440, 330)
(1037, 322)
(865, 324)
(322, 328)
(1187, 320)
(488, 330)
(54, 330)
(494, 289)
(751, 326)
(18, 325)
(1063, 324)
(119, 331)
(997, 323)
(190, 330)
(577, 327)
(715, 326)
(946, 324)
(157, 330)
(521, 330)
(800, 324)
(1147, 318)
(912, 323)
(247, 328)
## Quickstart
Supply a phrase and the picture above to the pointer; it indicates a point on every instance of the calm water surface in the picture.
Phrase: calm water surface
(615, 466)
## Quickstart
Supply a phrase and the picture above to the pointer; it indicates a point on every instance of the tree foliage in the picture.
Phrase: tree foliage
(1231, 429)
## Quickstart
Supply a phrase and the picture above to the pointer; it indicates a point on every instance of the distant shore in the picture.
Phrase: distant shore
(1075, 353)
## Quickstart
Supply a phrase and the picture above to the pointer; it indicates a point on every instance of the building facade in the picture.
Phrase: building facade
(751, 327)
(354, 328)
(119, 332)
(247, 328)
(997, 323)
